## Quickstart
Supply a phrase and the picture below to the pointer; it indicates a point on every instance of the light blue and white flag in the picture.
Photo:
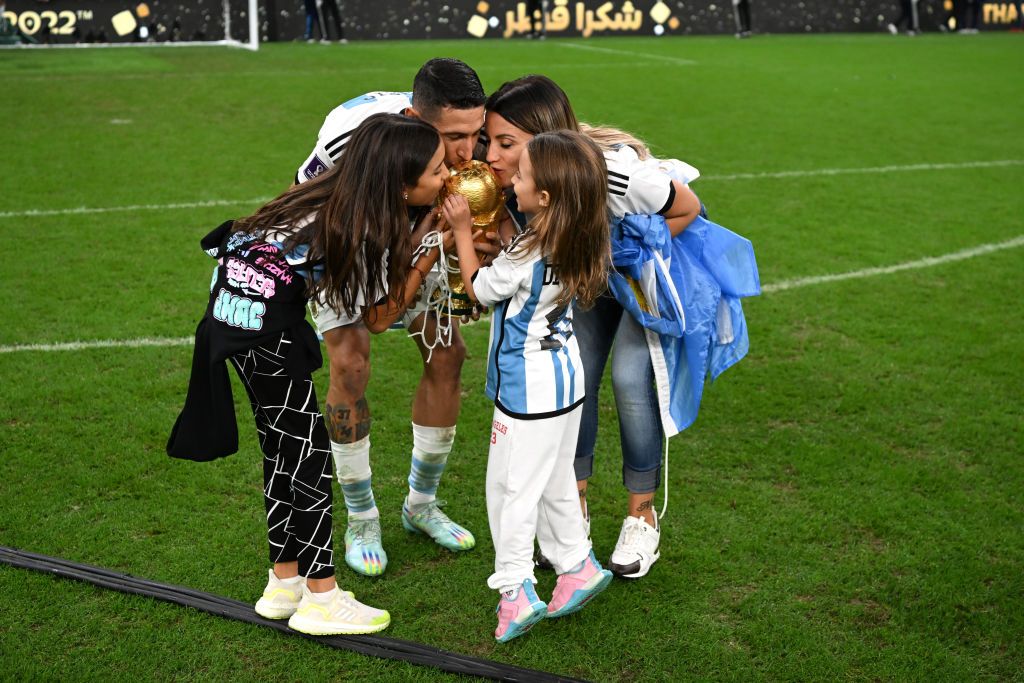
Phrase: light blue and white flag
(686, 292)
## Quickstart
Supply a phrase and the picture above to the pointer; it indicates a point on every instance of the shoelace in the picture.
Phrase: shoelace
(368, 531)
(630, 534)
(433, 511)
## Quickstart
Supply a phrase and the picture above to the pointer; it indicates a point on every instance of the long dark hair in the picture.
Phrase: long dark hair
(533, 103)
(358, 221)
(572, 230)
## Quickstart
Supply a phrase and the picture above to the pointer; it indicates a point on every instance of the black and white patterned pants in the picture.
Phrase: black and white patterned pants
(296, 460)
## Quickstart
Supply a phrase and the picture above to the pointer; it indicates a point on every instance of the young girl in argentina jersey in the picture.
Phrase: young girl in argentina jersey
(343, 236)
(637, 184)
(534, 373)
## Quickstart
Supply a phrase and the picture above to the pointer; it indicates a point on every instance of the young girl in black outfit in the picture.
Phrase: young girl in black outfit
(344, 235)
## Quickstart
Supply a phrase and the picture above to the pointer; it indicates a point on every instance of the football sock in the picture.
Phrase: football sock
(430, 449)
(352, 465)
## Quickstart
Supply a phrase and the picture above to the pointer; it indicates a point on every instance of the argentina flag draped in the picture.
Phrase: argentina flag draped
(686, 293)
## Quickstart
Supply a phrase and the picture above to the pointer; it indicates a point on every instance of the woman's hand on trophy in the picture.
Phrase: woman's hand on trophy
(456, 211)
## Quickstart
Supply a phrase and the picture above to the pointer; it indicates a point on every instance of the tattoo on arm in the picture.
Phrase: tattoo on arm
(342, 427)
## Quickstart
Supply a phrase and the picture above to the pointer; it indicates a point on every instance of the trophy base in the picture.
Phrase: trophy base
(460, 306)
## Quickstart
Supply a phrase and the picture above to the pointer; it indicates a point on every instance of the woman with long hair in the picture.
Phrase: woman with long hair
(344, 236)
(636, 184)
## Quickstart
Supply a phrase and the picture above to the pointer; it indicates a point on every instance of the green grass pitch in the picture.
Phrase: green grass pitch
(849, 505)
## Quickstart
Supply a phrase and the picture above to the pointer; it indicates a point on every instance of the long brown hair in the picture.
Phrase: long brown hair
(572, 230)
(536, 104)
(533, 103)
(608, 139)
(358, 221)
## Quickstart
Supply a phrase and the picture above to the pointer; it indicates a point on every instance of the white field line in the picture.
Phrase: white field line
(101, 344)
(766, 289)
(712, 178)
(899, 267)
(872, 169)
(133, 207)
(645, 55)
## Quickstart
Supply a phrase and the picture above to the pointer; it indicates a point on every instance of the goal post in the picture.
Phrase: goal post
(132, 23)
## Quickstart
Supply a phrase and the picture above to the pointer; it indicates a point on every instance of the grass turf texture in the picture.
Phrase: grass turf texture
(848, 505)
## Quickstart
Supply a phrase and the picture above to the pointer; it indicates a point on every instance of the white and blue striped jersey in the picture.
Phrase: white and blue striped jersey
(340, 123)
(533, 363)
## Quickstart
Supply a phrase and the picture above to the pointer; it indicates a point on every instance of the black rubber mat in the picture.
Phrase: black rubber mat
(371, 645)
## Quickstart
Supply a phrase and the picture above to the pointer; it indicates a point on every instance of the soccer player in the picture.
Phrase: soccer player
(448, 95)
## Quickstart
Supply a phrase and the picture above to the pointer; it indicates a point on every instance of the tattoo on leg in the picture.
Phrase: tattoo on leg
(646, 505)
(340, 426)
(362, 419)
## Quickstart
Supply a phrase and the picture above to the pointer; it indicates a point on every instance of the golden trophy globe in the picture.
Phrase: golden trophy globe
(475, 181)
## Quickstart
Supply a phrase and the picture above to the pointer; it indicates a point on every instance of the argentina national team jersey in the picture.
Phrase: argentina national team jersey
(533, 361)
(638, 186)
(340, 123)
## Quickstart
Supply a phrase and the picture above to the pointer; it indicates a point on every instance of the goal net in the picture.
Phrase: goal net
(124, 23)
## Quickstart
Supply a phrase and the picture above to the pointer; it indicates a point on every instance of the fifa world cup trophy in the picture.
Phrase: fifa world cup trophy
(475, 181)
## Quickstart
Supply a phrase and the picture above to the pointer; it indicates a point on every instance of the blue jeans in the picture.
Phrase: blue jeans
(640, 428)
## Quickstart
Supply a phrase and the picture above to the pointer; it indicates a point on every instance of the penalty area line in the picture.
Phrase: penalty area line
(101, 344)
(133, 207)
(928, 262)
(784, 285)
(645, 55)
(80, 210)
(868, 170)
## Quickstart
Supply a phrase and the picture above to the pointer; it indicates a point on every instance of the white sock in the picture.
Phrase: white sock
(510, 592)
(352, 467)
(430, 449)
(290, 581)
(372, 513)
(416, 500)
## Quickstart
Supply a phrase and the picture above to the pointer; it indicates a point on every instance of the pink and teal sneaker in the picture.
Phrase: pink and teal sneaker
(577, 587)
(517, 615)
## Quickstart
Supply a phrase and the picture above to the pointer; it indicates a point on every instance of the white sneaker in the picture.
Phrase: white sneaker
(342, 615)
(280, 599)
(636, 549)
